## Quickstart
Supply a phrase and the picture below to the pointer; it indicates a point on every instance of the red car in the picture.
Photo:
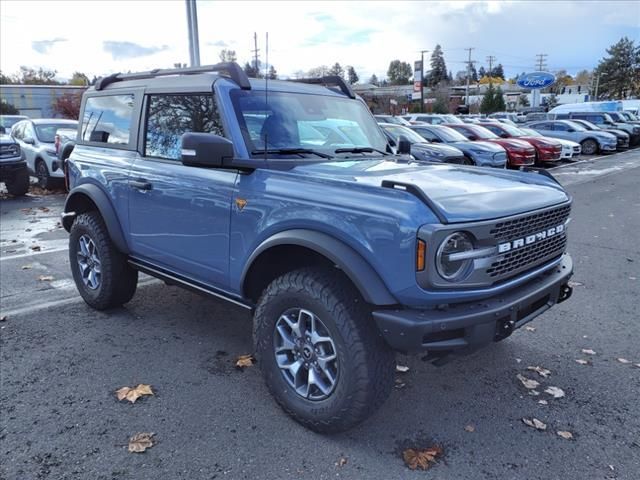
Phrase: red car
(519, 152)
(547, 149)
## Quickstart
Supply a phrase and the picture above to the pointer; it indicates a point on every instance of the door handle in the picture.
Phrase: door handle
(140, 184)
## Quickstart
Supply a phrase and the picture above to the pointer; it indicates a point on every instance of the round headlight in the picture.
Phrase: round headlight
(449, 267)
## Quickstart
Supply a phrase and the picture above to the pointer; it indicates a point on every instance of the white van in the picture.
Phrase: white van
(608, 106)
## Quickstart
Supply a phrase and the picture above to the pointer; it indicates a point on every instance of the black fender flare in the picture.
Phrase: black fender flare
(359, 271)
(105, 208)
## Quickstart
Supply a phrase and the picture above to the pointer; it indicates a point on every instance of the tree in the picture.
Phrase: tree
(487, 79)
(373, 80)
(79, 79)
(399, 72)
(68, 105)
(31, 76)
(523, 100)
(273, 74)
(251, 70)
(7, 108)
(337, 70)
(228, 55)
(318, 72)
(482, 72)
(352, 75)
(486, 106)
(441, 104)
(583, 77)
(5, 79)
(474, 73)
(498, 101)
(620, 72)
(562, 81)
(498, 72)
(438, 71)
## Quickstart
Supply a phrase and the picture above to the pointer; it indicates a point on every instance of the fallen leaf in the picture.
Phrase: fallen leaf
(45, 278)
(636, 365)
(623, 360)
(575, 284)
(341, 462)
(555, 392)
(632, 278)
(588, 351)
(35, 248)
(528, 383)
(3, 318)
(564, 434)
(530, 328)
(518, 360)
(543, 402)
(402, 368)
(244, 361)
(535, 423)
(583, 362)
(470, 428)
(535, 393)
(543, 372)
(133, 394)
(140, 442)
(26, 267)
(43, 209)
(421, 459)
(399, 384)
(611, 467)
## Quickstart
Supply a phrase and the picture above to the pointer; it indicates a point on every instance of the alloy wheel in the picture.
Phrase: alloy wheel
(89, 262)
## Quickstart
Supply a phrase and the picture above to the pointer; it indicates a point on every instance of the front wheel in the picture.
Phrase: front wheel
(589, 147)
(320, 353)
(19, 184)
(102, 275)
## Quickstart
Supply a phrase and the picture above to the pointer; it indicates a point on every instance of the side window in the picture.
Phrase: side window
(28, 131)
(496, 130)
(427, 134)
(169, 116)
(16, 132)
(542, 126)
(560, 127)
(107, 119)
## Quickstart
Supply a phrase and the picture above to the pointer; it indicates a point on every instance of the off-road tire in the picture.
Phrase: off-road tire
(366, 363)
(19, 184)
(118, 280)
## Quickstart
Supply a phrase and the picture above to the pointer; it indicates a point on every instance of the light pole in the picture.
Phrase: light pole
(598, 84)
(194, 40)
(422, 52)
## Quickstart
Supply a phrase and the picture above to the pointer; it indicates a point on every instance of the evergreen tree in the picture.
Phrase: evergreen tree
(438, 71)
(482, 72)
(273, 74)
(373, 80)
(251, 70)
(486, 106)
(498, 71)
(474, 73)
(620, 71)
(399, 72)
(352, 75)
(228, 55)
(498, 101)
(523, 100)
(7, 108)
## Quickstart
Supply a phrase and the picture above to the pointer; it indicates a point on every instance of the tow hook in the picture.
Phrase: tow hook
(565, 292)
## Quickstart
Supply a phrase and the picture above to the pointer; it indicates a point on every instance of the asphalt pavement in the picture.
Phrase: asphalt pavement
(61, 362)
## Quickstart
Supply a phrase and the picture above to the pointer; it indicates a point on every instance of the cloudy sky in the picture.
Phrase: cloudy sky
(98, 38)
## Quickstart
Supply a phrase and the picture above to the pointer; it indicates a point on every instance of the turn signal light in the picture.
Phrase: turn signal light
(421, 255)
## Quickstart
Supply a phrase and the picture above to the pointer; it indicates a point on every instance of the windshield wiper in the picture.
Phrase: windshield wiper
(291, 151)
(360, 150)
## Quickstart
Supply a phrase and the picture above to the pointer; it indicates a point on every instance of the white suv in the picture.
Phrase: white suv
(36, 138)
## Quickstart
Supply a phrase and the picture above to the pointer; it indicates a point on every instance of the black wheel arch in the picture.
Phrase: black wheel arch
(314, 247)
(87, 197)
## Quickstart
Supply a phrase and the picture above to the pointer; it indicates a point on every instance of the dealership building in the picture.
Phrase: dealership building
(36, 101)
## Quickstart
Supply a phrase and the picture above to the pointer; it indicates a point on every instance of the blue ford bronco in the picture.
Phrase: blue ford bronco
(284, 198)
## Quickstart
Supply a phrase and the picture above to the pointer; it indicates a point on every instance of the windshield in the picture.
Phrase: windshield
(288, 120)
(452, 119)
(630, 116)
(531, 133)
(587, 124)
(448, 134)
(617, 117)
(47, 133)
(8, 122)
(512, 131)
(481, 132)
(396, 130)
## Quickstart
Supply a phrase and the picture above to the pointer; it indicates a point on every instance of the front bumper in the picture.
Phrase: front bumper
(8, 169)
(522, 159)
(549, 155)
(468, 326)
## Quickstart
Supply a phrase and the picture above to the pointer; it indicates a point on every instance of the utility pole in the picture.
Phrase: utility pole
(597, 86)
(469, 65)
(255, 54)
(422, 52)
(491, 59)
(194, 39)
(541, 59)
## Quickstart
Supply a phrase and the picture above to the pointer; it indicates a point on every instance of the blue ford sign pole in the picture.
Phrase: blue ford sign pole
(536, 81)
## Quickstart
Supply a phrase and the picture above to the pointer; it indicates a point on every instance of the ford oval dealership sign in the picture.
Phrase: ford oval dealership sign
(536, 80)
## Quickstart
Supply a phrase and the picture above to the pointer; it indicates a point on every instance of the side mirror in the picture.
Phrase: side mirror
(472, 137)
(436, 140)
(404, 145)
(571, 130)
(29, 140)
(504, 135)
(206, 150)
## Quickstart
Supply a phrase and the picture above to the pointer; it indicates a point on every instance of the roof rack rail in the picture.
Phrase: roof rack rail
(232, 69)
(329, 81)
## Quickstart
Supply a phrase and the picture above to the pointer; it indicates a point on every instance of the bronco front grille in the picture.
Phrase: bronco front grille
(530, 224)
(524, 257)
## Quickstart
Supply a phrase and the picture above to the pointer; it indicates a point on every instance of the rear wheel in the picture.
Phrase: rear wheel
(102, 275)
(320, 353)
(467, 161)
(42, 173)
(19, 184)
(589, 147)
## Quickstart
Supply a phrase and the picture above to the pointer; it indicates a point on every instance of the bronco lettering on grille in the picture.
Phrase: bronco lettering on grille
(529, 239)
